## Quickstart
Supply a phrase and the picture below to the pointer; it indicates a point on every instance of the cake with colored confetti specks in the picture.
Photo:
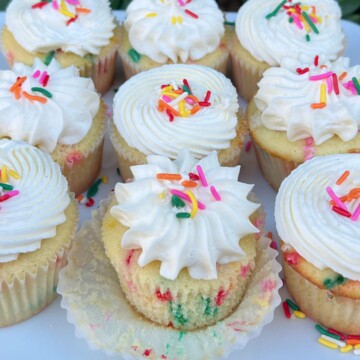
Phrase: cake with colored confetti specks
(182, 239)
(266, 31)
(305, 108)
(82, 33)
(317, 214)
(38, 220)
(166, 109)
(56, 110)
(158, 32)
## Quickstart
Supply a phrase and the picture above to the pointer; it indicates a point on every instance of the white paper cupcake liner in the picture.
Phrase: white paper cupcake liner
(102, 316)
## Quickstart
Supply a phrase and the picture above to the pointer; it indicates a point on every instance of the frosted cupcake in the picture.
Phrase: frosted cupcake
(38, 221)
(302, 110)
(57, 111)
(268, 30)
(82, 33)
(181, 239)
(317, 217)
(159, 32)
(166, 109)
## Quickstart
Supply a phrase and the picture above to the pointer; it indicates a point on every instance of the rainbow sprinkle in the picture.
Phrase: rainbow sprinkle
(7, 190)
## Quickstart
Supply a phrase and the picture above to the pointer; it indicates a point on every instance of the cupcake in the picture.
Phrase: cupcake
(59, 112)
(82, 33)
(266, 31)
(304, 109)
(38, 221)
(172, 31)
(165, 109)
(181, 239)
(317, 217)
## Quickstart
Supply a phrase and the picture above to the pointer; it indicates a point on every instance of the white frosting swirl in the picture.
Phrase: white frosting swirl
(46, 29)
(285, 98)
(270, 39)
(212, 236)
(145, 128)
(305, 220)
(34, 213)
(162, 29)
(65, 118)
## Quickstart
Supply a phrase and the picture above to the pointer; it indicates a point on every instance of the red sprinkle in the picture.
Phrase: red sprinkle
(186, 83)
(46, 80)
(335, 332)
(39, 5)
(221, 296)
(207, 96)
(129, 256)
(273, 245)
(316, 60)
(166, 296)
(204, 103)
(164, 86)
(71, 20)
(302, 71)
(191, 14)
(248, 146)
(335, 83)
(193, 176)
(286, 310)
(4, 197)
(170, 115)
(341, 211)
(90, 202)
(292, 258)
(353, 337)
(147, 352)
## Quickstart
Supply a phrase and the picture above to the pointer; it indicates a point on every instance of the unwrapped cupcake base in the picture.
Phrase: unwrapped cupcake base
(102, 316)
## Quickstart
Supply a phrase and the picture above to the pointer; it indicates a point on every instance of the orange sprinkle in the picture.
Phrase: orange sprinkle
(323, 67)
(35, 97)
(270, 235)
(313, 8)
(352, 341)
(318, 105)
(195, 109)
(342, 76)
(164, 176)
(190, 184)
(17, 93)
(180, 91)
(163, 104)
(343, 177)
(18, 83)
(354, 194)
(83, 10)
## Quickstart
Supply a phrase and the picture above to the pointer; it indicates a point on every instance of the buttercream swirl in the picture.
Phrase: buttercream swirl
(212, 236)
(305, 220)
(39, 207)
(269, 39)
(64, 118)
(144, 127)
(178, 30)
(54, 26)
(290, 101)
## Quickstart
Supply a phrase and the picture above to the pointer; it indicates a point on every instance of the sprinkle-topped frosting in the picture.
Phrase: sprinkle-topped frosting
(154, 118)
(178, 30)
(273, 29)
(185, 213)
(34, 195)
(47, 105)
(316, 99)
(77, 26)
(307, 218)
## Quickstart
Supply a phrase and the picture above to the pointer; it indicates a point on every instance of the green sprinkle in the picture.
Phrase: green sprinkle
(323, 330)
(331, 283)
(356, 84)
(277, 9)
(177, 313)
(185, 88)
(177, 202)
(230, 23)
(6, 186)
(89, 57)
(208, 309)
(181, 335)
(183, 215)
(292, 305)
(94, 188)
(307, 37)
(43, 91)
(49, 56)
(309, 21)
(291, 20)
(135, 56)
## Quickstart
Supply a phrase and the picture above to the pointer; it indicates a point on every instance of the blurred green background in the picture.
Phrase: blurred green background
(350, 8)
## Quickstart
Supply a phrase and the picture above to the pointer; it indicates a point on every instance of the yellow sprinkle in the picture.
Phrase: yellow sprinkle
(346, 348)
(63, 10)
(104, 179)
(193, 202)
(357, 346)
(173, 20)
(170, 94)
(299, 314)
(180, 19)
(305, 7)
(182, 107)
(4, 174)
(167, 88)
(305, 23)
(263, 302)
(323, 93)
(149, 15)
(14, 174)
(327, 343)
(162, 195)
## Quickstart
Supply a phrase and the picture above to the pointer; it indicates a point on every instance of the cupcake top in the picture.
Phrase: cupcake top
(317, 99)
(271, 29)
(176, 30)
(165, 109)
(185, 214)
(78, 26)
(47, 105)
(33, 198)
(317, 212)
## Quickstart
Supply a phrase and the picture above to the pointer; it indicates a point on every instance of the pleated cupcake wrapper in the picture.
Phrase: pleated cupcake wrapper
(24, 297)
(102, 316)
(320, 304)
(274, 169)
